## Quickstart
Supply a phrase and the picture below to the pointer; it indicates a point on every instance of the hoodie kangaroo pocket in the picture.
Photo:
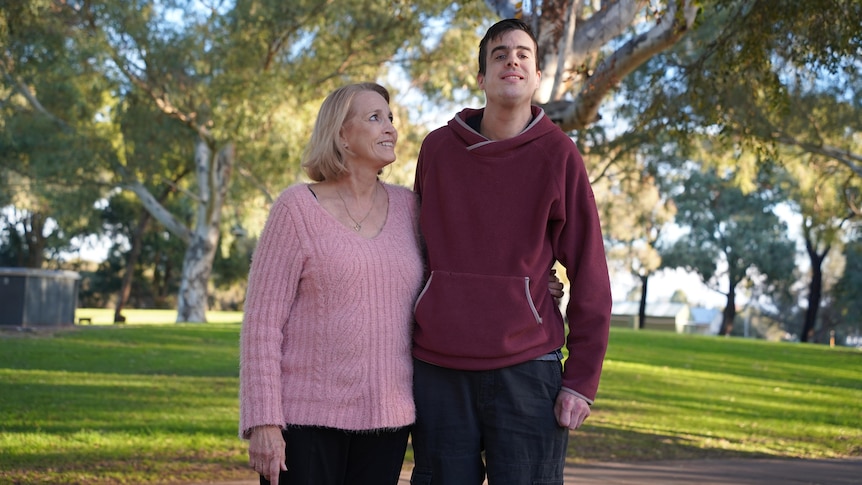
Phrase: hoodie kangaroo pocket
(477, 316)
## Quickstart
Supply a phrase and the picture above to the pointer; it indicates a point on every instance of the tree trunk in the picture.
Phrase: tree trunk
(131, 262)
(588, 34)
(642, 306)
(815, 291)
(137, 243)
(729, 314)
(34, 239)
(213, 177)
(589, 90)
(197, 267)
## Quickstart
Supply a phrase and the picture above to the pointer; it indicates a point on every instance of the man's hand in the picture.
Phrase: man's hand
(266, 452)
(571, 410)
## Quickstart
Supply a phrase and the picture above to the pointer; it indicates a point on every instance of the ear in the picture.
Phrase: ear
(538, 81)
(480, 80)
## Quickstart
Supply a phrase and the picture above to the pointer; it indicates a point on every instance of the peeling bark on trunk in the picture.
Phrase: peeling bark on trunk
(213, 177)
(197, 266)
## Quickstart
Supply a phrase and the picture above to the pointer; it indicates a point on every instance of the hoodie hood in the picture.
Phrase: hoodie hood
(477, 143)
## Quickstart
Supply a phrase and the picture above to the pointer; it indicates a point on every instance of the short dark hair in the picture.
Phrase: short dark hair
(496, 31)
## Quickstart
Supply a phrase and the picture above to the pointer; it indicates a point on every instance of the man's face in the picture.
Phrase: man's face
(511, 74)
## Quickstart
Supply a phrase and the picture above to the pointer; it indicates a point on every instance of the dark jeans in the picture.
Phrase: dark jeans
(326, 456)
(507, 415)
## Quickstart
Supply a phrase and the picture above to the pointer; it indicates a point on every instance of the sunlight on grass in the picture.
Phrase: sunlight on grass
(157, 402)
(777, 400)
(105, 316)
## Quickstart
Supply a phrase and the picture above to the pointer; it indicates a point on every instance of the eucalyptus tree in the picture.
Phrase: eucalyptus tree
(732, 236)
(634, 214)
(825, 193)
(694, 53)
(825, 190)
(586, 47)
(47, 98)
(678, 67)
(709, 67)
(239, 81)
(846, 302)
(763, 75)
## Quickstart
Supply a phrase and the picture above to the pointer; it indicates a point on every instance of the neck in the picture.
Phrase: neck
(359, 186)
(503, 123)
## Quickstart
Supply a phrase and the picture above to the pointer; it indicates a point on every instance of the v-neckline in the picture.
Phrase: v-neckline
(335, 220)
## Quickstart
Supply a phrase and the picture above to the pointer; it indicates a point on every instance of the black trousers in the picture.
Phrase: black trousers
(497, 423)
(327, 456)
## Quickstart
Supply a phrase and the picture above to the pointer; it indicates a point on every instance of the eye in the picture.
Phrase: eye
(374, 117)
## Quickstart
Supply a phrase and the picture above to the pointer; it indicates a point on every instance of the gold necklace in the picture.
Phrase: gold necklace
(357, 225)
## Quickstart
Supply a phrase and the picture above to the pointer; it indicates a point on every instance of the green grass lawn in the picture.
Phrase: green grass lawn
(156, 402)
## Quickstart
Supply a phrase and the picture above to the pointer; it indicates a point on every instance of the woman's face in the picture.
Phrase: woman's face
(368, 132)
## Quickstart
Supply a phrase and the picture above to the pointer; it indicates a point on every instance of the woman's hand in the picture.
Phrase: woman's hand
(555, 286)
(266, 452)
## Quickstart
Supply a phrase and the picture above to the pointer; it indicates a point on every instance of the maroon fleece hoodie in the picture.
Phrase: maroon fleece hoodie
(495, 215)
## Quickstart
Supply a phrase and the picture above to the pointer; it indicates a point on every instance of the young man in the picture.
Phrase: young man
(504, 194)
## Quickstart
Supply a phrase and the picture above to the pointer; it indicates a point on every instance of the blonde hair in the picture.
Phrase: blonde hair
(323, 159)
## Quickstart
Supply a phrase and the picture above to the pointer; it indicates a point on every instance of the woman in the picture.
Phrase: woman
(325, 365)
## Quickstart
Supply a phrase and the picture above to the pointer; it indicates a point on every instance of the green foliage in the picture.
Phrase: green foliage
(774, 88)
(42, 149)
(679, 296)
(122, 92)
(125, 89)
(633, 214)
(846, 291)
(758, 75)
(728, 226)
(444, 66)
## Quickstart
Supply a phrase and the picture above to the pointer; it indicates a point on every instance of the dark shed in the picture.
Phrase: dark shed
(37, 297)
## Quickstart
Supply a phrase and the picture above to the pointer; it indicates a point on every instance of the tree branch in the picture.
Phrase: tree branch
(583, 111)
(171, 223)
(281, 40)
(505, 9)
(569, 29)
(32, 99)
(851, 160)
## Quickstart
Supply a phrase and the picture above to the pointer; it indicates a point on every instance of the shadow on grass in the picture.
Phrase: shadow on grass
(182, 350)
(592, 443)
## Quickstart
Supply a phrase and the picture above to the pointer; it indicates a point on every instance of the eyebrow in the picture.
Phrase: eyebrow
(505, 48)
(387, 112)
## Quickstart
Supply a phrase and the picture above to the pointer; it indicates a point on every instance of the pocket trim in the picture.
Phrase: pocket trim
(530, 300)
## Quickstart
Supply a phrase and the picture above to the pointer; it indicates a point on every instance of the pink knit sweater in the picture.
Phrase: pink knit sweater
(326, 336)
